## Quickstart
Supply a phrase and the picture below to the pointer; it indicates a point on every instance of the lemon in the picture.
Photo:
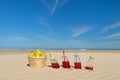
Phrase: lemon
(32, 54)
(43, 56)
(37, 53)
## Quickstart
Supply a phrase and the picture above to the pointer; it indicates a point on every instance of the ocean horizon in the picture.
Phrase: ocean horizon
(58, 49)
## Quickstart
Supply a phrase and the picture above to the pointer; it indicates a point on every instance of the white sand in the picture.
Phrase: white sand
(13, 66)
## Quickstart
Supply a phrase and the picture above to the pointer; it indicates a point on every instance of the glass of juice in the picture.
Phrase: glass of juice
(77, 65)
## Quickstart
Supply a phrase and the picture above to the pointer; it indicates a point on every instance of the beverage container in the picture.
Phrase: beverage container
(65, 62)
(77, 63)
(54, 62)
(89, 68)
(55, 65)
(90, 62)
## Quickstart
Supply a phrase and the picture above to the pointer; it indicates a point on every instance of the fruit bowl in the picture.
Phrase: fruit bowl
(37, 59)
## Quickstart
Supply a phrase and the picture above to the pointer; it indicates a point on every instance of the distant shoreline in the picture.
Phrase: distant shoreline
(19, 51)
(52, 49)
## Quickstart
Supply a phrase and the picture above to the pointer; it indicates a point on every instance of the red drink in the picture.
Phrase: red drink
(66, 64)
(89, 68)
(77, 65)
(55, 65)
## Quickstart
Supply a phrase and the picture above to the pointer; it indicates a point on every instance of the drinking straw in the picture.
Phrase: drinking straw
(92, 53)
(64, 55)
(91, 63)
(92, 57)
(63, 52)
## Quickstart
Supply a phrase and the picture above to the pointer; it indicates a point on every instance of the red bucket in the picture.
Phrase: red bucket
(55, 65)
(89, 68)
(66, 64)
(77, 65)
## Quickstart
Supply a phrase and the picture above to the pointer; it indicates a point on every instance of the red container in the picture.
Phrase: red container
(66, 64)
(55, 65)
(89, 68)
(77, 65)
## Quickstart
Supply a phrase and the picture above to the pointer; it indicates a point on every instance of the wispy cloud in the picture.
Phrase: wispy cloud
(116, 42)
(112, 26)
(18, 38)
(14, 38)
(112, 36)
(14, 41)
(74, 43)
(80, 30)
(46, 38)
(43, 22)
(58, 4)
(63, 3)
(54, 5)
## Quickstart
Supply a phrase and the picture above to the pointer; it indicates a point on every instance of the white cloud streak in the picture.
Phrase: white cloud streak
(78, 31)
(46, 38)
(46, 4)
(63, 2)
(44, 23)
(56, 4)
(113, 36)
(54, 7)
(112, 26)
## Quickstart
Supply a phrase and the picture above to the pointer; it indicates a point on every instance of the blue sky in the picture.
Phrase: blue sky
(60, 24)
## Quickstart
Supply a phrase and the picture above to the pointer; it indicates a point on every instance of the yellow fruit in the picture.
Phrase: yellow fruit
(38, 51)
(32, 54)
(37, 54)
(44, 56)
(41, 55)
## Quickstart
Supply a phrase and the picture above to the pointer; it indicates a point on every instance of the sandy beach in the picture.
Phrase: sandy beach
(14, 66)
